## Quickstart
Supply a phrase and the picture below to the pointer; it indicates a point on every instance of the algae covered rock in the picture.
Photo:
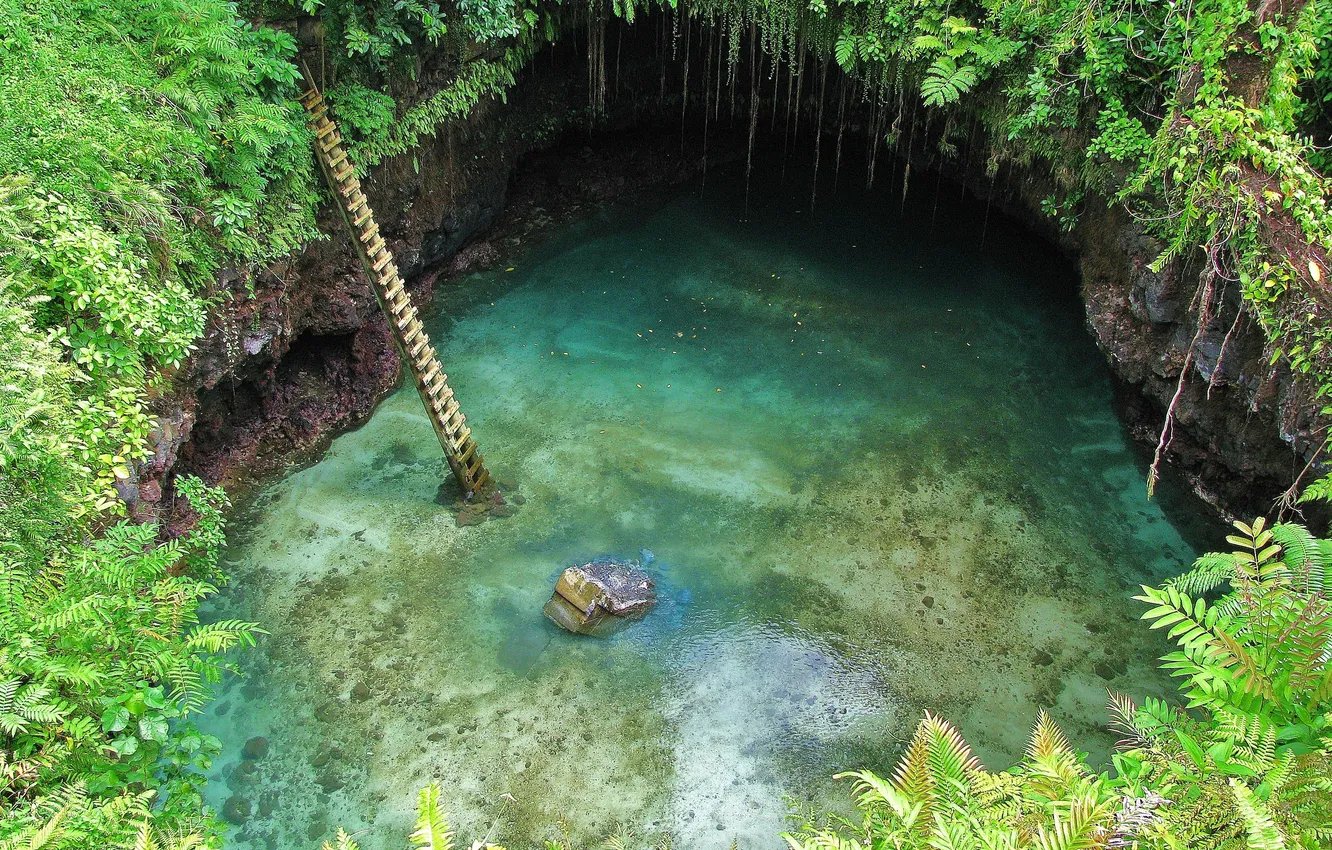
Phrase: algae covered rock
(236, 810)
(255, 748)
(601, 597)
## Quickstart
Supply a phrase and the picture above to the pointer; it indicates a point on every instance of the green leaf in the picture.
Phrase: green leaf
(153, 729)
(115, 718)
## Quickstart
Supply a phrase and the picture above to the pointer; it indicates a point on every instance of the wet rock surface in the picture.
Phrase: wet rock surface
(601, 597)
(236, 810)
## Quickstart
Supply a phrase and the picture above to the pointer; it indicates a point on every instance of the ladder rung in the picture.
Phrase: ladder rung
(420, 344)
(382, 261)
(321, 132)
(338, 159)
(331, 142)
(349, 183)
(439, 390)
(375, 248)
(430, 374)
(424, 358)
(370, 232)
(398, 308)
(467, 452)
(410, 334)
(365, 214)
(394, 287)
(317, 111)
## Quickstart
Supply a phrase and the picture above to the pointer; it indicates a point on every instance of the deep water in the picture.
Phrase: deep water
(872, 450)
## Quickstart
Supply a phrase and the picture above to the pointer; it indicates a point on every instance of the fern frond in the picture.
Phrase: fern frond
(1053, 767)
(1082, 827)
(342, 841)
(1123, 721)
(1302, 555)
(1209, 572)
(432, 823)
(870, 790)
(1258, 822)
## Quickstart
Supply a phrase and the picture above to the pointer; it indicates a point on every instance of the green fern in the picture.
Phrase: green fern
(1258, 822)
(946, 81)
(432, 823)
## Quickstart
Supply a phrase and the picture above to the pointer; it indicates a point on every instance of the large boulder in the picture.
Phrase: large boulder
(601, 597)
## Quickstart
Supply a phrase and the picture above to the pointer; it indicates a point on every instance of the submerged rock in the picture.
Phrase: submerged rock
(236, 809)
(601, 597)
(255, 748)
(466, 518)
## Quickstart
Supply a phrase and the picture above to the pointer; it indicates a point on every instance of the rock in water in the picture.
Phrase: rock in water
(601, 597)
(255, 748)
(236, 810)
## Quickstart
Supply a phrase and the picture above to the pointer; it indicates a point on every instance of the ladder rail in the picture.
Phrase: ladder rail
(413, 344)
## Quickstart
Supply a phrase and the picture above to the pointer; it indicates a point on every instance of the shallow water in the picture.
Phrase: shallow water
(877, 463)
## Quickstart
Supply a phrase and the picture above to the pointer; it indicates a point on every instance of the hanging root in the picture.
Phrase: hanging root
(1202, 300)
(818, 138)
(1285, 503)
(596, 63)
(1221, 356)
(1153, 474)
(841, 128)
(755, 59)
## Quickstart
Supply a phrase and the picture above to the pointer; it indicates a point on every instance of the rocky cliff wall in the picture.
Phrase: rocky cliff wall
(300, 351)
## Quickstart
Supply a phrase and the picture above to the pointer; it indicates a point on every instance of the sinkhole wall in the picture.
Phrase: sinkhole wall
(299, 351)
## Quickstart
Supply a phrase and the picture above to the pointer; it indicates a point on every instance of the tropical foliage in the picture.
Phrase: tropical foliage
(142, 145)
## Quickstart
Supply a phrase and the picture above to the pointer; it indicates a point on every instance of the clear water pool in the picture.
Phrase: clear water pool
(877, 463)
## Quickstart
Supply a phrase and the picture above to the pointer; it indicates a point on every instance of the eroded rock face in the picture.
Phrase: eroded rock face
(1243, 427)
(601, 597)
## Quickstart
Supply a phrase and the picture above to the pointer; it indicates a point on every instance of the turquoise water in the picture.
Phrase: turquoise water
(877, 463)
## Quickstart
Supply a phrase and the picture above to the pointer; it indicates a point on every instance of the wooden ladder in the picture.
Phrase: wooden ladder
(441, 407)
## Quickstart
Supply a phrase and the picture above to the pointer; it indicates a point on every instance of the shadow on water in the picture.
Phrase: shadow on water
(879, 470)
